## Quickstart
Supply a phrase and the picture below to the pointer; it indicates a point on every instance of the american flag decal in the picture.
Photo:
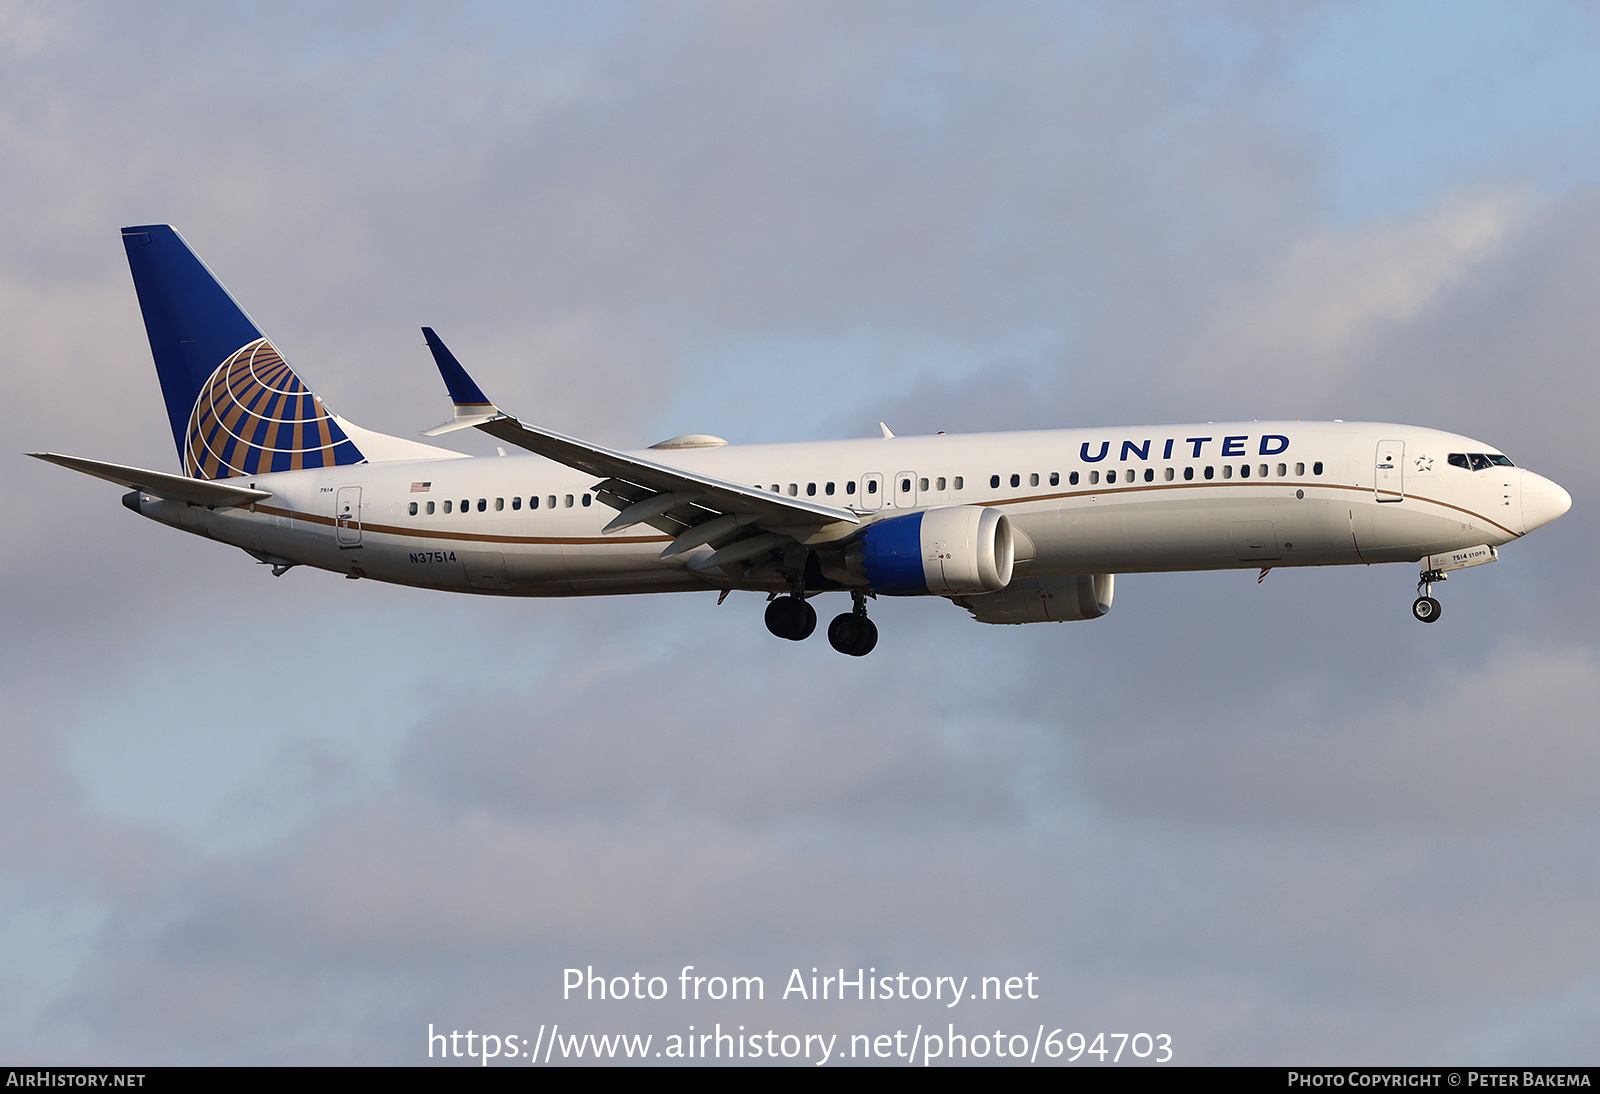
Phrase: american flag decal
(420, 487)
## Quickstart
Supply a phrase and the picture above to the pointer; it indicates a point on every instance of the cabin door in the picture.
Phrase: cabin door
(347, 517)
(1389, 480)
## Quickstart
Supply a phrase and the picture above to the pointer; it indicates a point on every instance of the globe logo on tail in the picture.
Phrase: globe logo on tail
(255, 416)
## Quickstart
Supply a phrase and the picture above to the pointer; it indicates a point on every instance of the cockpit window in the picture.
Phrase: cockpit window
(1478, 461)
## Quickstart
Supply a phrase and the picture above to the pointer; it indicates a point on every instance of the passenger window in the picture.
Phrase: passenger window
(1316, 468)
(413, 508)
(923, 485)
(794, 490)
(776, 489)
(1016, 480)
(828, 489)
(941, 482)
(1111, 476)
(483, 504)
(905, 486)
(811, 489)
(1149, 474)
(1299, 469)
(568, 501)
(466, 505)
(1033, 479)
(1094, 478)
(430, 508)
(1169, 473)
(533, 502)
(1072, 479)
(1264, 470)
(872, 486)
(850, 487)
(550, 501)
(994, 482)
(587, 498)
(1055, 478)
(1188, 474)
(446, 507)
(1283, 470)
(1211, 472)
(516, 503)
(1227, 470)
(499, 505)
(960, 482)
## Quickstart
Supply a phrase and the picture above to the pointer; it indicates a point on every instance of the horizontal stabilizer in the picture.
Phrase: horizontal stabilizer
(213, 495)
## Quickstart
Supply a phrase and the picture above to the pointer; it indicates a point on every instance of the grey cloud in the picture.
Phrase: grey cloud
(1277, 820)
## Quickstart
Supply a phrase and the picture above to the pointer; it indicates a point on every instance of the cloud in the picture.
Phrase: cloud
(1335, 294)
(1281, 821)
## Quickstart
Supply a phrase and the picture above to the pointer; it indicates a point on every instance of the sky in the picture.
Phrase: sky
(1277, 823)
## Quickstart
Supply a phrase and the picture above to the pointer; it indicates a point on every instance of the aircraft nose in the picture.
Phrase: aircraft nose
(1542, 501)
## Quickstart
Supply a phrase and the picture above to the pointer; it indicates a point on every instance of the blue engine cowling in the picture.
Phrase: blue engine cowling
(952, 551)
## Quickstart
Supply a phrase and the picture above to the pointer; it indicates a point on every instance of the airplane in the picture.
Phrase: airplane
(1021, 527)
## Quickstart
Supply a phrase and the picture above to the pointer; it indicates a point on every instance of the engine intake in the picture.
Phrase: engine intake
(950, 551)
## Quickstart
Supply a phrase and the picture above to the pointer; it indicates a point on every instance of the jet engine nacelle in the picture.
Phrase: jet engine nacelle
(1044, 600)
(947, 552)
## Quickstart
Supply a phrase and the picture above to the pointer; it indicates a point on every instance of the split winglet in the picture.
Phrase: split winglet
(639, 478)
(472, 405)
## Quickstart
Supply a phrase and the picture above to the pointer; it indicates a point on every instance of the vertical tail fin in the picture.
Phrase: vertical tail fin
(235, 405)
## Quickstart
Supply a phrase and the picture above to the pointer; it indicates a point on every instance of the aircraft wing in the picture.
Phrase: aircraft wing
(695, 508)
(213, 495)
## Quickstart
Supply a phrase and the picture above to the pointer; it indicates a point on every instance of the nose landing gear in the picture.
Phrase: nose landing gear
(853, 633)
(1425, 608)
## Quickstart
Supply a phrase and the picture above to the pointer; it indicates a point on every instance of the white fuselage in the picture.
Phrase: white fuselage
(1086, 501)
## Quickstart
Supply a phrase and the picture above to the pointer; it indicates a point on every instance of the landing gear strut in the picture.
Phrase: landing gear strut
(790, 616)
(1425, 607)
(853, 633)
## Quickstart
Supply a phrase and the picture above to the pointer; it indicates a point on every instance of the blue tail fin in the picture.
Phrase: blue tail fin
(235, 405)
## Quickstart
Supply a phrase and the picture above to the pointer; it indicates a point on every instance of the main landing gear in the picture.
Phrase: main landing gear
(851, 633)
(792, 618)
(1425, 608)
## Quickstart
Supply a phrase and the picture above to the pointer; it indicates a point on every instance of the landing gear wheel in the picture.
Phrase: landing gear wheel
(1426, 609)
(792, 618)
(853, 634)
(868, 640)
